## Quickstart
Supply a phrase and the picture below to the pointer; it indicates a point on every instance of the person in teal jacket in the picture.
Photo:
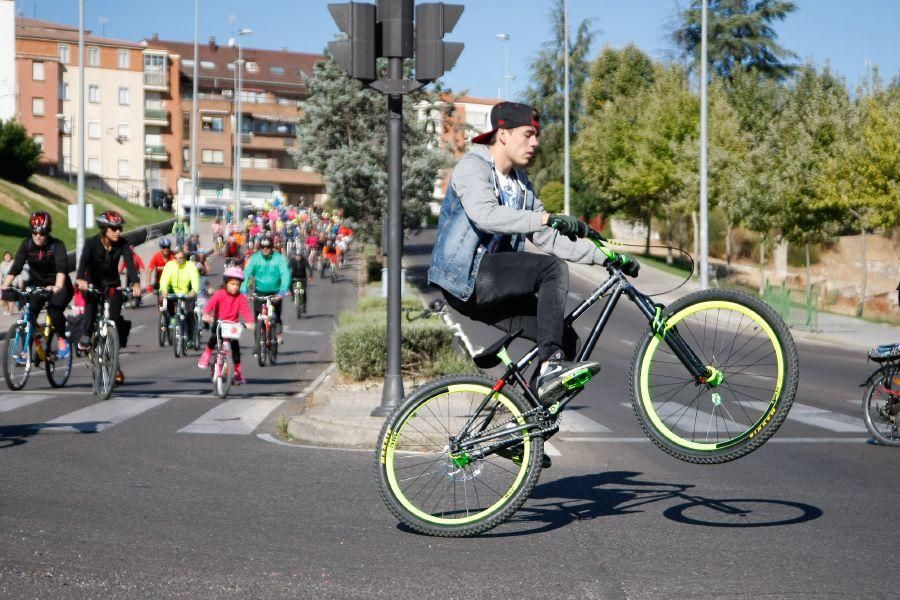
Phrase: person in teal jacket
(271, 276)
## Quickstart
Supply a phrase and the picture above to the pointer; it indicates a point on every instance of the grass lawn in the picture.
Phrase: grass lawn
(37, 195)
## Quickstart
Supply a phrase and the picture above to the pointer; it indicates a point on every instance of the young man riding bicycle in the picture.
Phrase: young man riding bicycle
(479, 260)
(181, 276)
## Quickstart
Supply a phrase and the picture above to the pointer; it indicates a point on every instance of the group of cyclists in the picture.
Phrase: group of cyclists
(274, 251)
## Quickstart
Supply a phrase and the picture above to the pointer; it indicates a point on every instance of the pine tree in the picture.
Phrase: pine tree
(19, 153)
(343, 135)
(740, 36)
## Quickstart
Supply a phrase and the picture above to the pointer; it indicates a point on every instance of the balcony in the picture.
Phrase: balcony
(156, 153)
(156, 116)
(156, 80)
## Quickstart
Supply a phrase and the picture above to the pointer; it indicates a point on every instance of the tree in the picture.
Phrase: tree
(740, 36)
(617, 74)
(343, 135)
(19, 153)
(547, 94)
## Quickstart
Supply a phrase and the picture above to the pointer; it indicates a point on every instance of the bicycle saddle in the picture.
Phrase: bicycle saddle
(488, 358)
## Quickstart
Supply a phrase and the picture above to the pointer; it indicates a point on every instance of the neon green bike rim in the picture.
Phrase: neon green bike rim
(390, 444)
(646, 364)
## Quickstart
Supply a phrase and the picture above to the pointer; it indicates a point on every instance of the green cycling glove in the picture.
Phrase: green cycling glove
(568, 225)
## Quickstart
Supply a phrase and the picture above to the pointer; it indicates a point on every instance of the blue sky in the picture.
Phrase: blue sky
(847, 34)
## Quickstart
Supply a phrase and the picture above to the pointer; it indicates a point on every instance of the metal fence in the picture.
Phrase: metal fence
(798, 308)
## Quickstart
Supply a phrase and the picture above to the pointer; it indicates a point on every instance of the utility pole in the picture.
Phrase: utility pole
(704, 201)
(80, 211)
(566, 206)
(195, 116)
(387, 31)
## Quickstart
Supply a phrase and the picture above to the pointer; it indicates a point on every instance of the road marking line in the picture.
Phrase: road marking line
(15, 402)
(317, 381)
(234, 417)
(551, 450)
(575, 422)
(100, 416)
(820, 417)
(777, 440)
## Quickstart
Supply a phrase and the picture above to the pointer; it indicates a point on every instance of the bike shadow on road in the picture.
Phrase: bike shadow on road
(15, 435)
(564, 501)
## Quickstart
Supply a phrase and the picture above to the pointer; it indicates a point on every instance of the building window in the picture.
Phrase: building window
(122, 132)
(37, 106)
(93, 165)
(39, 140)
(187, 63)
(207, 64)
(186, 124)
(64, 54)
(93, 129)
(93, 57)
(277, 70)
(213, 157)
(93, 93)
(214, 124)
(37, 71)
(124, 96)
(122, 168)
(186, 158)
(64, 90)
(124, 59)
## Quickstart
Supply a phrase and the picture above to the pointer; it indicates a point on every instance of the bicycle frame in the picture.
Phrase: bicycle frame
(615, 287)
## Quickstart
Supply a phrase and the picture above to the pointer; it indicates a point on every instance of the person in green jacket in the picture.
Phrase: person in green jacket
(271, 276)
(179, 230)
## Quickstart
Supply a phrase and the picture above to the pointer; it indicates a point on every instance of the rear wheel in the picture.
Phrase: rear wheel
(752, 373)
(444, 493)
(58, 369)
(16, 362)
(881, 407)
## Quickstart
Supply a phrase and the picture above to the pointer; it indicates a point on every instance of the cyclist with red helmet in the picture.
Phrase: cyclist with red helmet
(98, 266)
(48, 267)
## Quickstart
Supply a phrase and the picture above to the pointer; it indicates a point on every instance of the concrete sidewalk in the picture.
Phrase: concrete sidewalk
(338, 414)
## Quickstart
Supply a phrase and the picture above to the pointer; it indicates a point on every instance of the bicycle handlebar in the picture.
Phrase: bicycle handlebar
(29, 292)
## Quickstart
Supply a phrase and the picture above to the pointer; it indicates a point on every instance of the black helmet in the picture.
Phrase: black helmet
(40, 222)
(265, 242)
(165, 243)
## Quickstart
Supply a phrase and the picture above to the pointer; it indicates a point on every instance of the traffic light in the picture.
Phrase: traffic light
(396, 20)
(356, 55)
(433, 55)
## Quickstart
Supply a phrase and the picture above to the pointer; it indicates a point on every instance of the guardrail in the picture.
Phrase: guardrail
(798, 308)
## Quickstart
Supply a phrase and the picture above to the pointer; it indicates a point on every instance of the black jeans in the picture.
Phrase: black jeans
(56, 307)
(91, 305)
(516, 290)
(276, 307)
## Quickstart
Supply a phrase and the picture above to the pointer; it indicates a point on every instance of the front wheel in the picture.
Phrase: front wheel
(163, 333)
(221, 376)
(58, 369)
(260, 343)
(881, 406)
(105, 356)
(16, 359)
(178, 345)
(447, 493)
(752, 373)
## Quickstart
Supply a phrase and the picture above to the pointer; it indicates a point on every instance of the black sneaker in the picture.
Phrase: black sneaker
(514, 453)
(84, 344)
(560, 376)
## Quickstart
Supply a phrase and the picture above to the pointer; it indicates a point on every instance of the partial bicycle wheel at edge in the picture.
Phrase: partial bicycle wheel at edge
(437, 493)
(755, 373)
(881, 407)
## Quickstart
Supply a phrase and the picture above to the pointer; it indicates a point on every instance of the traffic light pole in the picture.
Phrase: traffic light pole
(393, 380)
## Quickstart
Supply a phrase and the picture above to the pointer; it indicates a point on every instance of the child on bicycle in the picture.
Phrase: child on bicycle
(227, 304)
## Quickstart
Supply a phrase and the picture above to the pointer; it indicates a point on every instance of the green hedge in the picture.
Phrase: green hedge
(360, 344)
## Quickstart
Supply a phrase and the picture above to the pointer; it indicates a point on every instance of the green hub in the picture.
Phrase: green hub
(460, 460)
(715, 377)
(716, 399)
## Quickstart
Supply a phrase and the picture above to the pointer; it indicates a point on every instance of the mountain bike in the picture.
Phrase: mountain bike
(300, 297)
(222, 367)
(164, 334)
(881, 400)
(265, 342)
(713, 377)
(103, 355)
(27, 346)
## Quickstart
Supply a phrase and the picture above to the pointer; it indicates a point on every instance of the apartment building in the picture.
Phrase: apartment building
(272, 92)
(47, 71)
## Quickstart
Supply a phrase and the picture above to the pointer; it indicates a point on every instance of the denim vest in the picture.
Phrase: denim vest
(460, 245)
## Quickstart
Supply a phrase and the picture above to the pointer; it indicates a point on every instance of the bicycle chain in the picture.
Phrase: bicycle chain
(542, 412)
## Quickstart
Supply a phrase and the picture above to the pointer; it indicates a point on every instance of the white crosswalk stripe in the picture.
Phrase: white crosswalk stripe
(100, 416)
(575, 422)
(12, 402)
(236, 417)
(820, 417)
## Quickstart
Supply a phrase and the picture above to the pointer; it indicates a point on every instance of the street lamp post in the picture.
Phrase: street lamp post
(566, 202)
(505, 38)
(239, 76)
(195, 116)
(80, 210)
(704, 204)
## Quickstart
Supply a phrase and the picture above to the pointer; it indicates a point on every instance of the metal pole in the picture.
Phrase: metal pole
(195, 117)
(80, 211)
(566, 206)
(393, 380)
(237, 151)
(704, 208)
(235, 213)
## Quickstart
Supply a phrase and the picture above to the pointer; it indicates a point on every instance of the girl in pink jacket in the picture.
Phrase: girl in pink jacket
(227, 304)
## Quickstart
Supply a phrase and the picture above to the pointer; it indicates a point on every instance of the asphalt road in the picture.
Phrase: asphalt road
(146, 507)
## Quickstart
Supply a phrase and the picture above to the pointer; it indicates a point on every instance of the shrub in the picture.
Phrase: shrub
(553, 197)
(360, 344)
(19, 153)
